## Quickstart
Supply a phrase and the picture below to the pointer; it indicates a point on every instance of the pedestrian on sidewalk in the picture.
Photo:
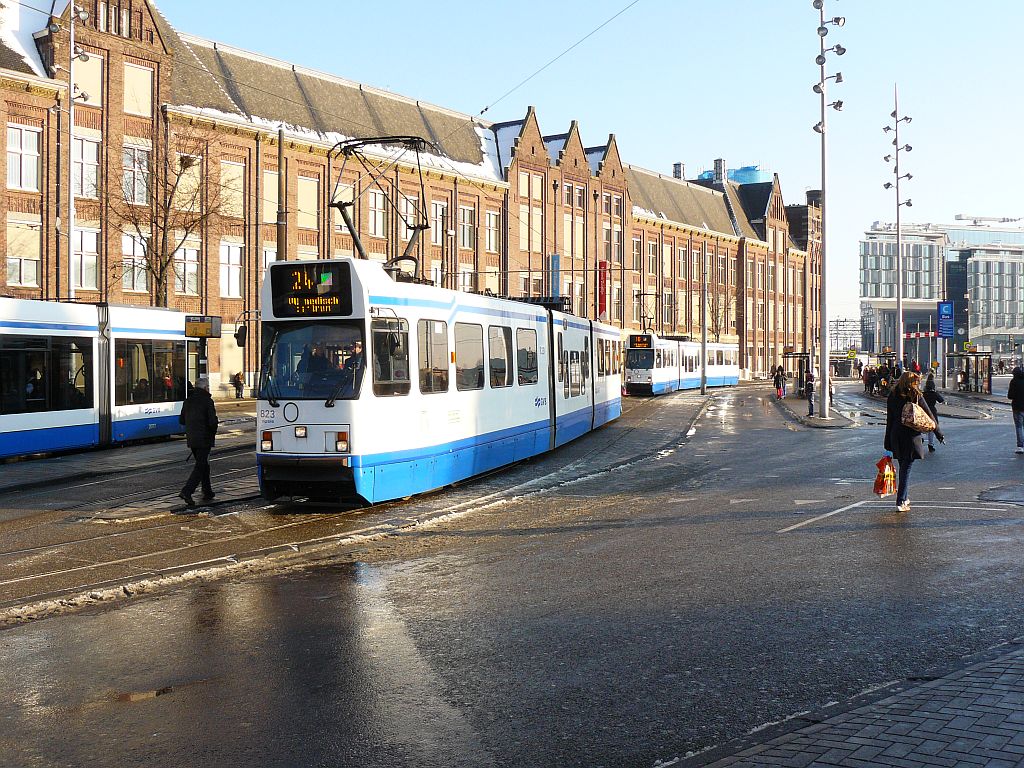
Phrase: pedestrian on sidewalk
(239, 381)
(905, 443)
(779, 380)
(199, 415)
(933, 398)
(809, 393)
(1016, 395)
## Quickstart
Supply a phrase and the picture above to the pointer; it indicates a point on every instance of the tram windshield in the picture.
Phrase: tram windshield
(640, 358)
(312, 361)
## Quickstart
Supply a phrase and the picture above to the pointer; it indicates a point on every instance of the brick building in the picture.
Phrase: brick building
(174, 164)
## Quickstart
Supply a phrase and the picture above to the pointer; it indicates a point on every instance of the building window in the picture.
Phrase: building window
(231, 270)
(308, 191)
(85, 256)
(232, 189)
(186, 270)
(136, 175)
(89, 80)
(138, 90)
(86, 168)
(438, 221)
(652, 257)
(269, 197)
(269, 257)
(638, 254)
(567, 194)
(607, 203)
(467, 226)
(617, 244)
(493, 231)
(24, 253)
(617, 206)
(101, 16)
(607, 238)
(135, 275)
(410, 215)
(343, 193)
(581, 198)
(377, 225)
(23, 157)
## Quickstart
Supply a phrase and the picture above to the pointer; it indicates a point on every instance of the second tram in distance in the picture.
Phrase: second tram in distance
(657, 365)
(375, 389)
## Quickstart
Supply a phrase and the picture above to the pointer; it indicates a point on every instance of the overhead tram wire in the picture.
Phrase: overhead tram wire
(591, 33)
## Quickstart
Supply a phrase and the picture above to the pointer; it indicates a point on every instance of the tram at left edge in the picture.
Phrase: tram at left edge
(78, 376)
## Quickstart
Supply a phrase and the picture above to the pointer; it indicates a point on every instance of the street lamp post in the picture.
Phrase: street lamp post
(76, 14)
(820, 88)
(895, 159)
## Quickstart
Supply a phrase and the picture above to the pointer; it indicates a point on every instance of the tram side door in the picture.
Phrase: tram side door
(105, 363)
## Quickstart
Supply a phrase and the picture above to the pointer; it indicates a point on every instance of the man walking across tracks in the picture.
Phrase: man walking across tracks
(199, 415)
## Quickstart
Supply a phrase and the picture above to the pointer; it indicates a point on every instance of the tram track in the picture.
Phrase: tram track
(220, 552)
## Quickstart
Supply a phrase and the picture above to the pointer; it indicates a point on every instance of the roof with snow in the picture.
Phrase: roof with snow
(18, 52)
(672, 199)
(228, 83)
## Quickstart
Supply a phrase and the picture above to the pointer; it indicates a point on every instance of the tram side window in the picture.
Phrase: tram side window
(561, 359)
(499, 340)
(44, 374)
(585, 362)
(390, 340)
(526, 354)
(432, 336)
(720, 357)
(469, 356)
(600, 357)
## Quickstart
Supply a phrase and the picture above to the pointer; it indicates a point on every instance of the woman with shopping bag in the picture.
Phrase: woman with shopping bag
(907, 418)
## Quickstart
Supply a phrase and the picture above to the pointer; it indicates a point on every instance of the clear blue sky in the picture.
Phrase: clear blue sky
(692, 80)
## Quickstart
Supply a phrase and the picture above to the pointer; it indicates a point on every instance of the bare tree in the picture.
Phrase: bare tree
(166, 206)
(719, 304)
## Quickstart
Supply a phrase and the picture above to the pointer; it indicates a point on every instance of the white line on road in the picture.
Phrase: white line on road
(821, 517)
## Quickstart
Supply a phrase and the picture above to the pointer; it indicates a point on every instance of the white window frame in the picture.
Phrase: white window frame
(85, 173)
(467, 226)
(186, 269)
(493, 231)
(410, 215)
(269, 257)
(83, 258)
(231, 270)
(135, 172)
(438, 217)
(20, 260)
(377, 222)
(21, 160)
(133, 264)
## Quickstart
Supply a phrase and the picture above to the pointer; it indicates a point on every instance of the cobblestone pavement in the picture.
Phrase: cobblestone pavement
(972, 717)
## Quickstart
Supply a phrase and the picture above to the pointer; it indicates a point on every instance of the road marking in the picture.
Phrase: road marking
(801, 502)
(741, 501)
(821, 517)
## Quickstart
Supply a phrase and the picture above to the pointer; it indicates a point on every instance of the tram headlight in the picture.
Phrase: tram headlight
(300, 432)
(342, 443)
(267, 442)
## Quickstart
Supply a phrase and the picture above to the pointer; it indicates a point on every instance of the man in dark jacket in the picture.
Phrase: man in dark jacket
(1016, 395)
(199, 415)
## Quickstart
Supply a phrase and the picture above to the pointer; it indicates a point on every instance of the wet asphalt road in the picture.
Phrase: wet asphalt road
(621, 619)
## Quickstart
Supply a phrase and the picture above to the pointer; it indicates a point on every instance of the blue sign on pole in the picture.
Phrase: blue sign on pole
(946, 320)
(556, 278)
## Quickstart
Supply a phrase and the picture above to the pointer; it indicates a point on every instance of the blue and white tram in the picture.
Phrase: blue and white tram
(656, 365)
(83, 375)
(375, 389)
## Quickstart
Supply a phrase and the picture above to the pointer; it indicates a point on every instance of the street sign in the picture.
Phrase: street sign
(851, 355)
(202, 326)
(945, 309)
(556, 276)
(970, 346)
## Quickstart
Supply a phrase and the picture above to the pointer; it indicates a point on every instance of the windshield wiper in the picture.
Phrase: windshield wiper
(269, 382)
(347, 377)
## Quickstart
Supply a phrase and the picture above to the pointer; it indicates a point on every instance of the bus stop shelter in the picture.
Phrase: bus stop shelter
(796, 363)
(972, 371)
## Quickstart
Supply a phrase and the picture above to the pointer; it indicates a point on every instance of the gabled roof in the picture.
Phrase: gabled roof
(555, 145)
(225, 82)
(679, 201)
(754, 199)
(732, 191)
(18, 52)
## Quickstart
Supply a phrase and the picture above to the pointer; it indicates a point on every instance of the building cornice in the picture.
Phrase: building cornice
(37, 86)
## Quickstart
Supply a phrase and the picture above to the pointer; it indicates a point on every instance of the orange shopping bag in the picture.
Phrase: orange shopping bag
(885, 480)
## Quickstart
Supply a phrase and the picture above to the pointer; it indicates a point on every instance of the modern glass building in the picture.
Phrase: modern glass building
(978, 266)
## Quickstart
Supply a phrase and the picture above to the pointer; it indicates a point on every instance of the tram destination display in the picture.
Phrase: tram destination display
(640, 341)
(311, 289)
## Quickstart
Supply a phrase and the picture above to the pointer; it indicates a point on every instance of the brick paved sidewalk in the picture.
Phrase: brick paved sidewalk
(972, 717)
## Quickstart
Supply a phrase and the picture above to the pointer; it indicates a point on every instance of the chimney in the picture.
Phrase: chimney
(719, 171)
(678, 170)
(814, 197)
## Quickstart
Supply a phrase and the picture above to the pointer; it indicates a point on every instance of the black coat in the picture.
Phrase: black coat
(1016, 391)
(932, 397)
(199, 416)
(905, 443)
